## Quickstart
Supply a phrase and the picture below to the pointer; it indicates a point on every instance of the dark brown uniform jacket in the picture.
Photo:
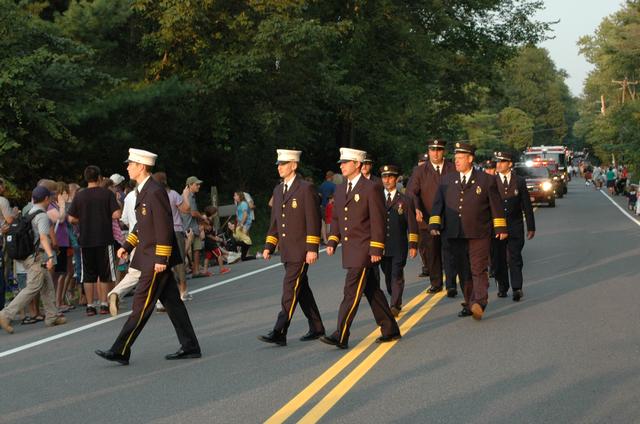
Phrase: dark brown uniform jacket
(468, 212)
(295, 221)
(359, 223)
(153, 233)
(424, 183)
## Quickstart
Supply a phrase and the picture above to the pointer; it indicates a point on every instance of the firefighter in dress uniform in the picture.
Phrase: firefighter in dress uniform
(466, 209)
(295, 228)
(359, 223)
(401, 236)
(508, 253)
(423, 187)
(156, 252)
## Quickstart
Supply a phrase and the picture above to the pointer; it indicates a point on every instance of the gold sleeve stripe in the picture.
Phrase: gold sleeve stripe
(272, 240)
(376, 244)
(435, 219)
(413, 237)
(132, 239)
(499, 222)
(313, 239)
(334, 238)
(163, 250)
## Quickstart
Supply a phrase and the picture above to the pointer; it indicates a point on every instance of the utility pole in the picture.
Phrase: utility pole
(627, 86)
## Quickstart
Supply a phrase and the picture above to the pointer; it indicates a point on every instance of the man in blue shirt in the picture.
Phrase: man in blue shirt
(326, 189)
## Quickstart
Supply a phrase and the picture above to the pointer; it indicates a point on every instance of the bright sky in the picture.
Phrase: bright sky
(577, 18)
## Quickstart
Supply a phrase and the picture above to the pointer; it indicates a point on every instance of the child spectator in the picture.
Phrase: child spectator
(328, 216)
(211, 242)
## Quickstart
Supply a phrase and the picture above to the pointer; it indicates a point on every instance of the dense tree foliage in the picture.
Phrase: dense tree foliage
(214, 86)
(613, 49)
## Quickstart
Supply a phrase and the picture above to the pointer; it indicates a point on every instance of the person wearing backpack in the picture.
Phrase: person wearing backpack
(38, 263)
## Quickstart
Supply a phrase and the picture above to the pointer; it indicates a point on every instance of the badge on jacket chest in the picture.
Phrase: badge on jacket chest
(478, 190)
(294, 203)
(356, 197)
(400, 210)
(143, 211)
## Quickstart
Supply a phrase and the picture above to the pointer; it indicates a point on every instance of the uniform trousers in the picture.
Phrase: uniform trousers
(434, 260)
(393, 270)
(151, 287)
(471, 261)
(508, 258)
(362, 281)
(423, 248)
(295, 289)
(451, 274)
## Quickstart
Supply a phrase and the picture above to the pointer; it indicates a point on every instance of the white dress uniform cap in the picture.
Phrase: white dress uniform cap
(347, 155)
(142, 156)
(288, 156)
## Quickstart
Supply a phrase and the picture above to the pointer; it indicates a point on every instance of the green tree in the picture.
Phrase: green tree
(534, 85)
(45, 79)
(516, 128)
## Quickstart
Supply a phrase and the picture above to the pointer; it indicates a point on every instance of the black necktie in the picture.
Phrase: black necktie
(286, 188)
(388, 199)
(506, 183)
(137, 192)
(349, 188)
(464, 180)
(438, 169)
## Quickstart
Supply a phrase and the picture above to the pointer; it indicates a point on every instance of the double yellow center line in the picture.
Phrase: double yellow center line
(326, 403)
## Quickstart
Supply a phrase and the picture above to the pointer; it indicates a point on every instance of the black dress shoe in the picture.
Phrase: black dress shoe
(517, 295)
(465, 312)
(502, 294)
(181, 354)
(330, 340)
(312, 335)
(385, 339)
(274, 337)
(452, 292)
(112, 356)
(434, 289)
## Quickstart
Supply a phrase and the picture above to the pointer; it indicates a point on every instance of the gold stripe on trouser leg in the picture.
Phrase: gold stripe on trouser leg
(146, 303)
(355, 303)
(295, 292)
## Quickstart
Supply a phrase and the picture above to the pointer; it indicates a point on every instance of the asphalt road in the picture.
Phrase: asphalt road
(567, 353)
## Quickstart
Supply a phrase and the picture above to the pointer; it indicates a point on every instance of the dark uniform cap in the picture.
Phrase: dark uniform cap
(389, 170)
(489, 165)
(423, 157)
(368, 158)
(500, 156)
(436, 144)
(461, 147)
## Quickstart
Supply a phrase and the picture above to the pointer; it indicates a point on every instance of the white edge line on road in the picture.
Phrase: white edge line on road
(124, 314)
(635, 221)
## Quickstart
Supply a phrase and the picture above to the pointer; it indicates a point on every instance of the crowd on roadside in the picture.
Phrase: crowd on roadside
(76, 231)
(616, 179)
